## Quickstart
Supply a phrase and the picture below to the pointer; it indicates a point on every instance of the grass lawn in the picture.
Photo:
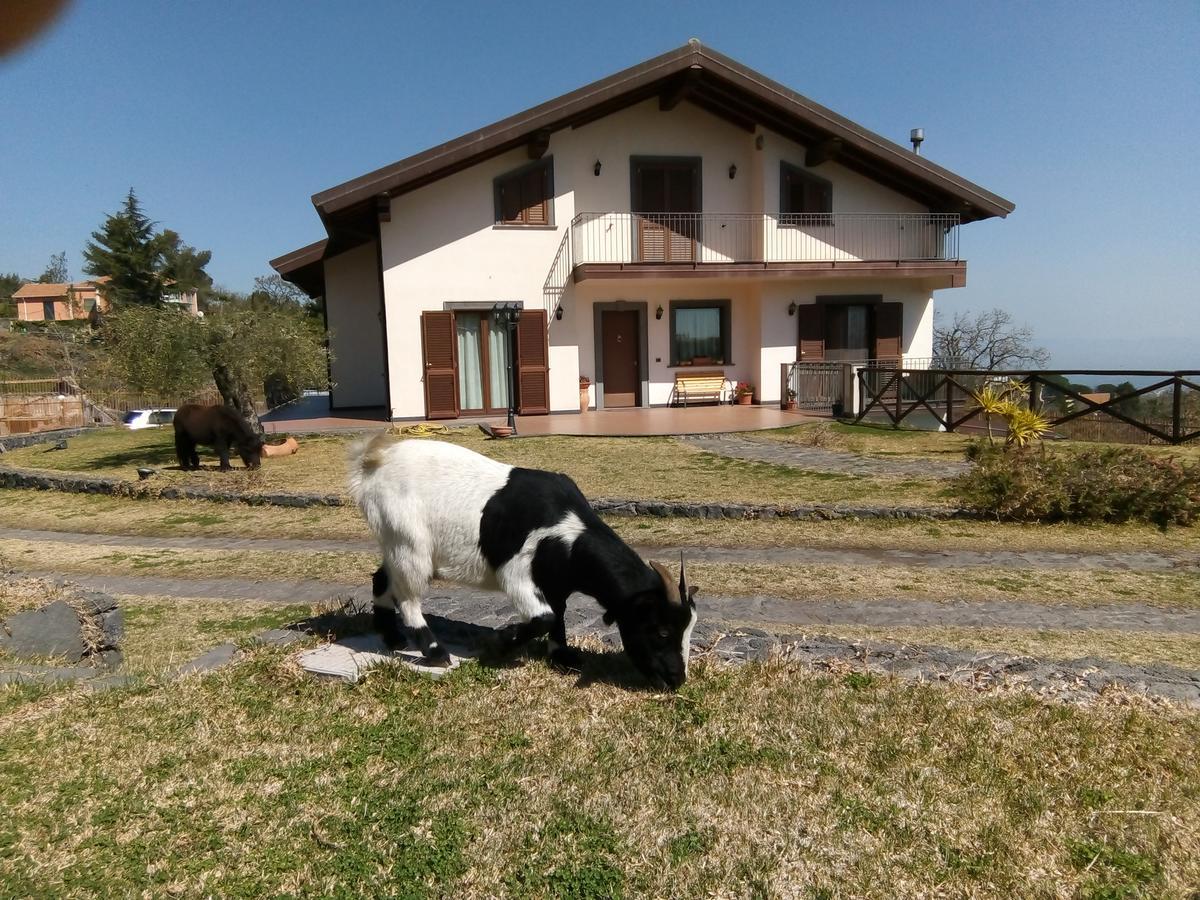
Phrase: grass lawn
(48, 510)
(662, 468)
(759, 781)
(883, 440)
(1085, 587)
(872, 440)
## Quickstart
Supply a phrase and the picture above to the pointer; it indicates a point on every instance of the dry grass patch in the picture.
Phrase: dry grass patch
(1132, 647)
(1075, 587)
(661, 468)
(162, 633)
(21, 594)
(896, 534)
(870, 440)
(765, 780)
(83, 559)
(88, 513)
(52, 511)
(816, 582)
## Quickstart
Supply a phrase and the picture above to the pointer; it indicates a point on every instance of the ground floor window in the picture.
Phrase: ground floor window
(48, 310)
(483, 354)
(700, 332)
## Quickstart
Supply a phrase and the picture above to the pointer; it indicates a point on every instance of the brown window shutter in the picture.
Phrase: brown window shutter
(811, 318)
(889, 329)
(533, 363)
(441, 382)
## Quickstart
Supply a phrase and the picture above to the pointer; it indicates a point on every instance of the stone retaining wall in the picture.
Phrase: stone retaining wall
(86, 484)
(17, 441)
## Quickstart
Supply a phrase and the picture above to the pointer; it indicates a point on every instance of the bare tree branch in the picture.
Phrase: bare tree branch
(987, 340)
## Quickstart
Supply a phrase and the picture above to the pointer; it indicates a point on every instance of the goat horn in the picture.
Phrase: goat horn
(682, 578)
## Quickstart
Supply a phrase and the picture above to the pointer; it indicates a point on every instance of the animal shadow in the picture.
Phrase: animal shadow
(609, 666)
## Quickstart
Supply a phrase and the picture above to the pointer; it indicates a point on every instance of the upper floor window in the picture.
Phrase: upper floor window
(804, 199)
(525, 196)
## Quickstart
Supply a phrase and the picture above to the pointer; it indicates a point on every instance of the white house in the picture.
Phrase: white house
(686, 212)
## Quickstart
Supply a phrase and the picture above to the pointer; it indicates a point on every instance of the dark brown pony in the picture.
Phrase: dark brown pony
(218, 427)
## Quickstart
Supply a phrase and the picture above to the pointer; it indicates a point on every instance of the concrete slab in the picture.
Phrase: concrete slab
(352, 657)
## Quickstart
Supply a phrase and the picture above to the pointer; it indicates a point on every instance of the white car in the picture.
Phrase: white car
(148, 418)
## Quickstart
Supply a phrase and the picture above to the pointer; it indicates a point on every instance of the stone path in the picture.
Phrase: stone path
(491, 609)
(1143, 560)
(816, 459)
(751, 628)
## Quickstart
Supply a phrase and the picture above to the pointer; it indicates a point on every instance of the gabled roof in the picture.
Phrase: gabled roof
(691, 73)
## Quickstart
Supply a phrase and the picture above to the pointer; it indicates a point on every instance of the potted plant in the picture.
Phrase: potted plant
(743, 393)
(584, 395)
(790, 401)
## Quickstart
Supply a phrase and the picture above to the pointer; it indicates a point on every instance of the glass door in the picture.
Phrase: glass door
(483, 356)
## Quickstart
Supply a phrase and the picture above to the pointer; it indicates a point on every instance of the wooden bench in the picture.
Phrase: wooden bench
(700, 386)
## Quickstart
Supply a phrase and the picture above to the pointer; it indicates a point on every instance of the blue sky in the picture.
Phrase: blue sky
(227, 117)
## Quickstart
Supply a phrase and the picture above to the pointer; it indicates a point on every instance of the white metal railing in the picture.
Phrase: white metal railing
(555, 284)
(749, 237)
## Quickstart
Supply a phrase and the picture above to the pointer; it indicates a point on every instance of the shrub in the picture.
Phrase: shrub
(1097, 484)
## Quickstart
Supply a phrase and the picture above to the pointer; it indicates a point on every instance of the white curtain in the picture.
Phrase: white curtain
(470, 361)
(498, 365)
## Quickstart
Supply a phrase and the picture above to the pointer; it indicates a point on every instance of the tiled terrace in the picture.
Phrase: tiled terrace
(313, 414)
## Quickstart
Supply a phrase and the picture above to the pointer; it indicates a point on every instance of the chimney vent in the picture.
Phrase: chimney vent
(917, 135)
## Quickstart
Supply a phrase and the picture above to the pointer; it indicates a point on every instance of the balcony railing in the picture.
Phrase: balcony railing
(701, 238)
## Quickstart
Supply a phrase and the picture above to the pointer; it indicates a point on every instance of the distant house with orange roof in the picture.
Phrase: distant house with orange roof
(58, 302)
(75, 300)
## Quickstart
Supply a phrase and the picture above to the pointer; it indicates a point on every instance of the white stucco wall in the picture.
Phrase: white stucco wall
(441, 247)
(763, 336)
(355, 341)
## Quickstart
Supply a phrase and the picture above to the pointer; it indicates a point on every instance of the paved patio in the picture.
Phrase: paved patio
(312, 414)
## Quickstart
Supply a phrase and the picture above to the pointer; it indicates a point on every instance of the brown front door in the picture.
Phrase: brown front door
(666, 193)
(621, 348)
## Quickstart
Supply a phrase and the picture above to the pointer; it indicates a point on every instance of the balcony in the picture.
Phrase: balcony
(607, 244)
(725, 245)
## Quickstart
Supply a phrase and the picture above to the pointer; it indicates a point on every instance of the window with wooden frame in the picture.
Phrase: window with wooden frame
(804, 199)
(700, 333)
(525, 196)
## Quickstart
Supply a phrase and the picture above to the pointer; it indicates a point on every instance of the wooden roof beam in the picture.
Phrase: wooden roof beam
(683, 87)
(823, 152)
(539, 143)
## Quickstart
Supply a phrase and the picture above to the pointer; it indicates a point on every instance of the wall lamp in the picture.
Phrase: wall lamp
(732, 170)
(596, 169)
(658, 312)
(792, 308)
(558, 312)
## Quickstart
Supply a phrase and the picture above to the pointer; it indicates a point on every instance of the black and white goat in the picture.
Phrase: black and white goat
(440, 510)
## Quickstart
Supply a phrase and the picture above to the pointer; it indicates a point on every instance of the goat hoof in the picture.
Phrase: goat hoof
(436, 656)
(566, 658)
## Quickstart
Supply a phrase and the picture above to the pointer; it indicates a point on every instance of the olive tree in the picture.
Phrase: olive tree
(172, 353)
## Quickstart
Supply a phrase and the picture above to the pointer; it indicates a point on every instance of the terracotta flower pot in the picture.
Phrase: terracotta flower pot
(584, 399)
(744, 399)
(501, 431)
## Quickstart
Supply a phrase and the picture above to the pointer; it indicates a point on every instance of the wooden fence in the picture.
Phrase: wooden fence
(948, 395)
(47, 404)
